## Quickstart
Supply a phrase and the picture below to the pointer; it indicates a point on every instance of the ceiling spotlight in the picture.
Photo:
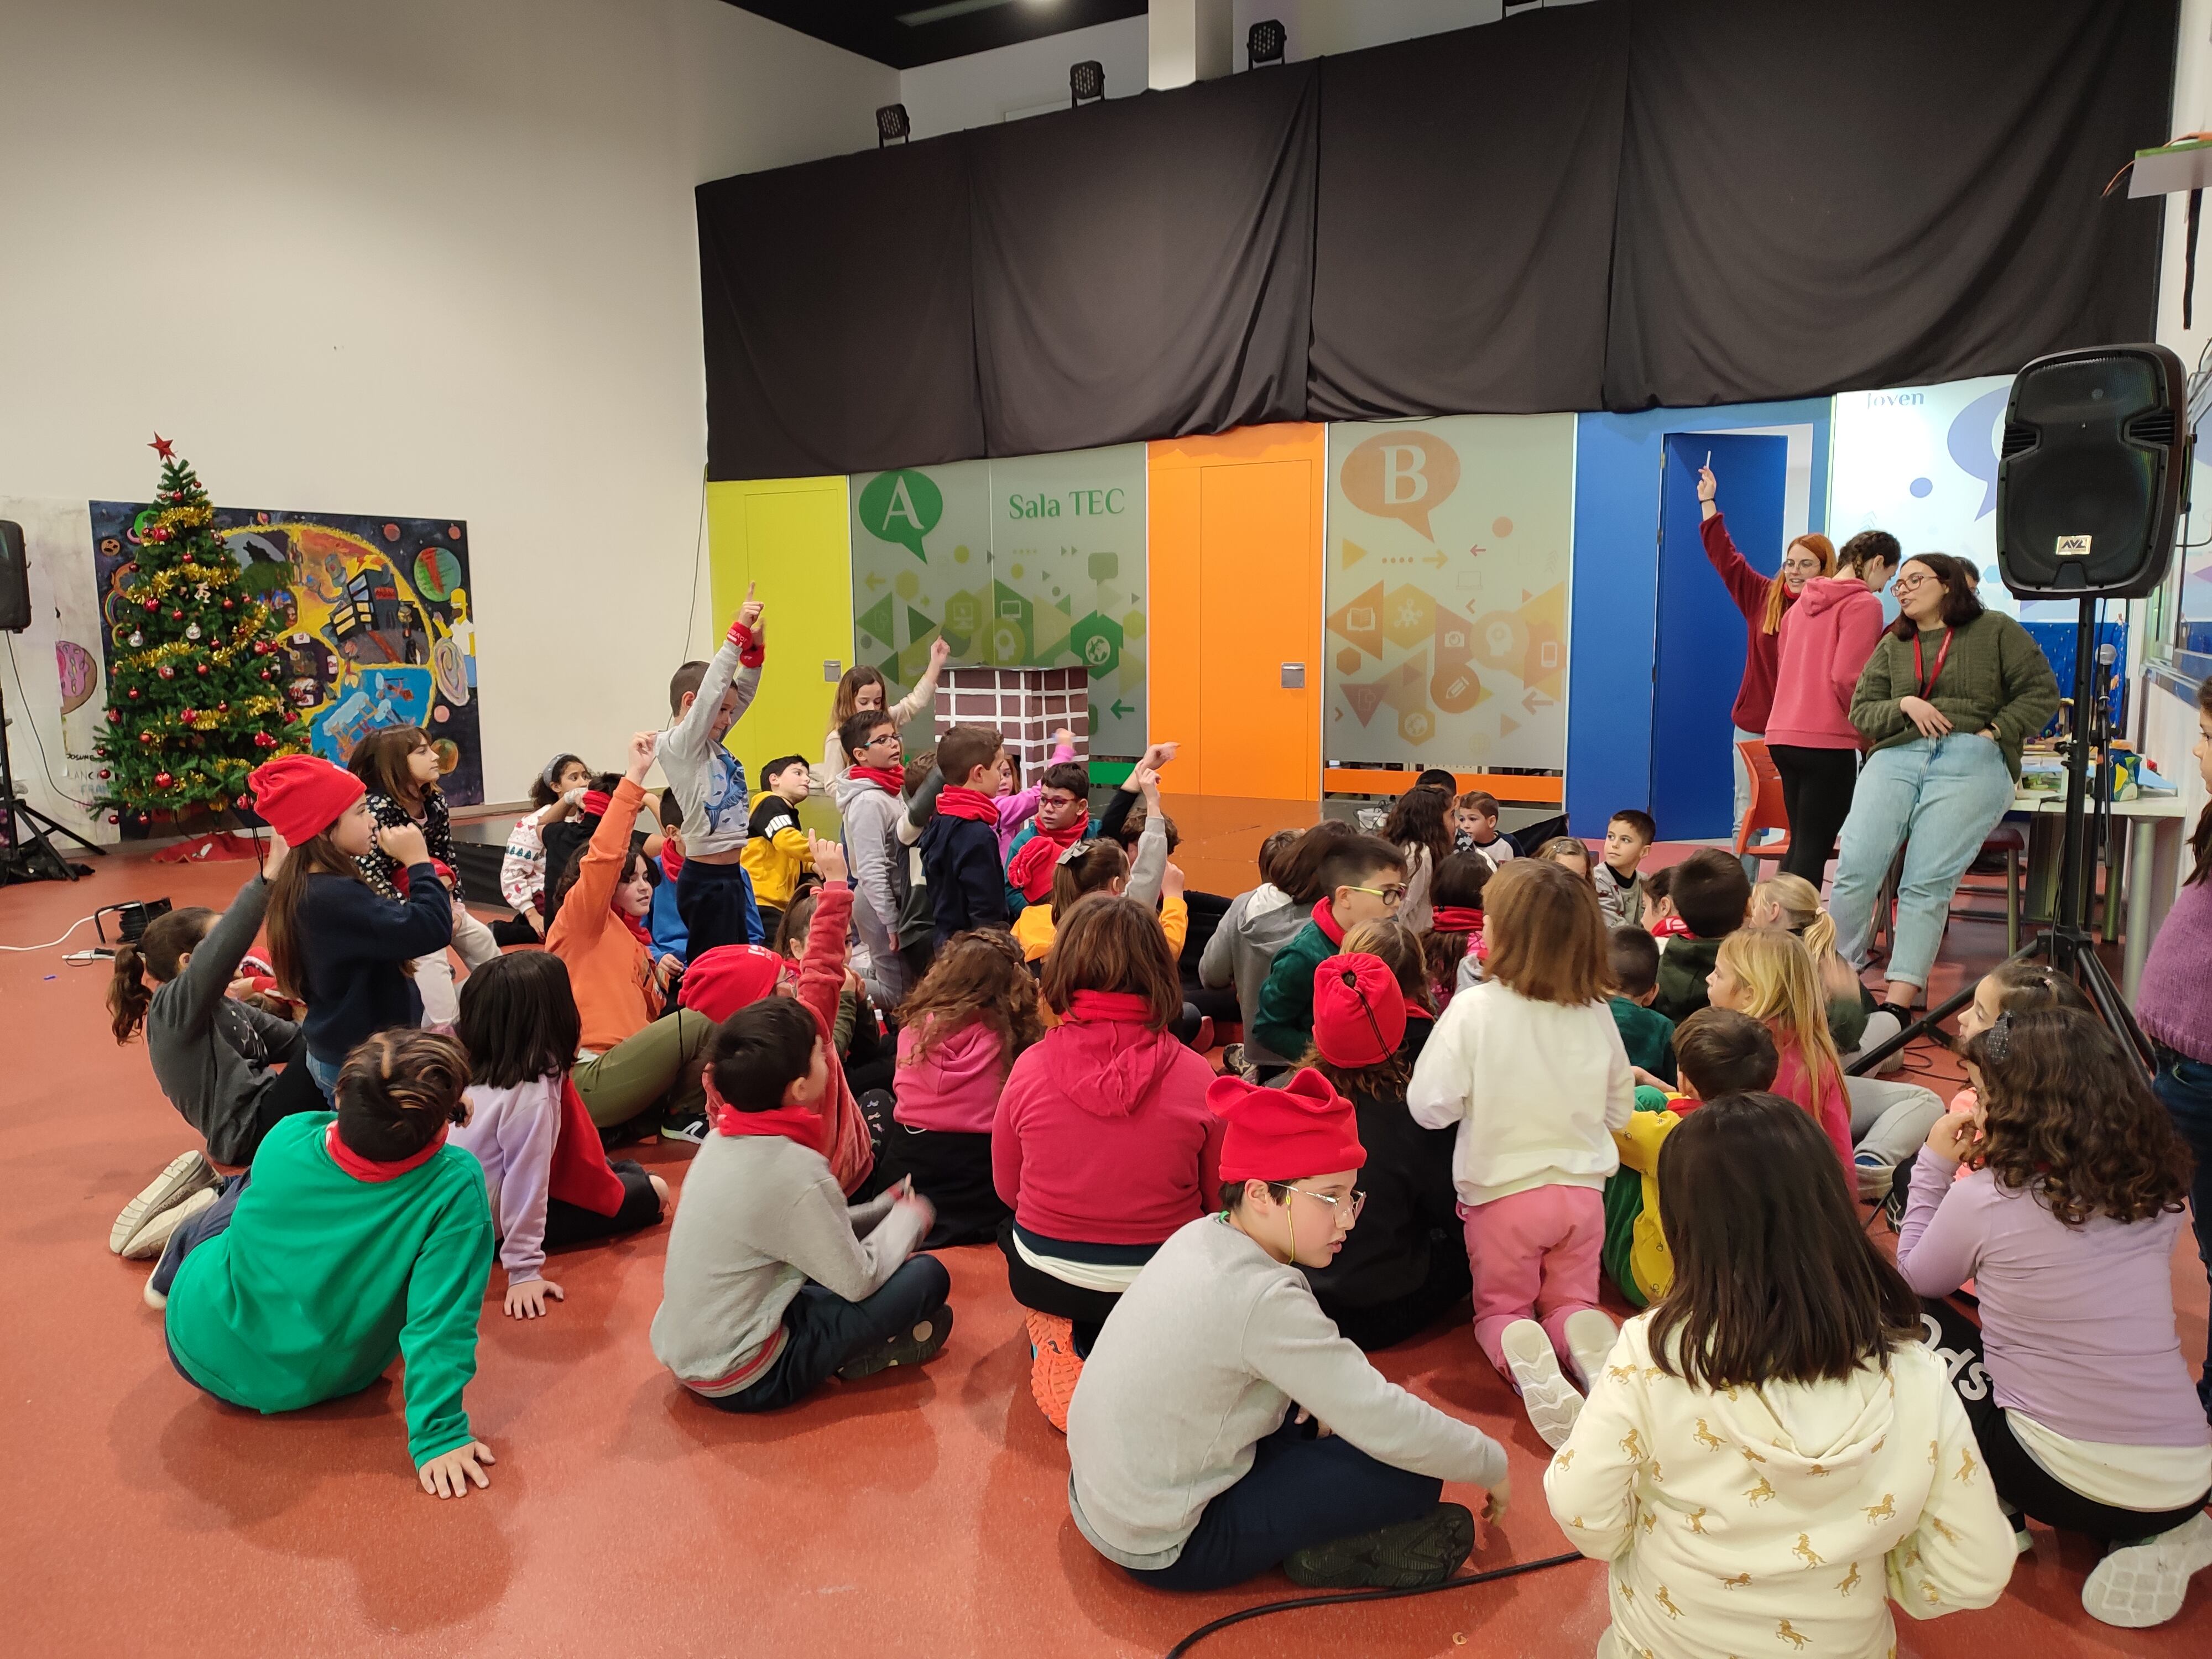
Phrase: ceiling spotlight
(1087, 81)
(891, 123)
(1263, 43)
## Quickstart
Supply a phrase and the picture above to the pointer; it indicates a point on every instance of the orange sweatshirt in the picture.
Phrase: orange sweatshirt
(609, 969)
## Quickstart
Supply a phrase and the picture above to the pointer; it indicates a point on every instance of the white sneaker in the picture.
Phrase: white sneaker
(1550, 1399)
(150, 1239)
(188, 1172)
(1590, 1337)
(2138, 1585)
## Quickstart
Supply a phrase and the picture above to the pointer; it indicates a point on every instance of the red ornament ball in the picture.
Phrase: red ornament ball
(263, 740)
(153, 605)
(200, 667)
(133, 695)
(222, 708)
(162, 779)
(115, 717)
(145, 737)
(176, 615)
(225, 605)
(115, 817)
(189, 715)
(243, 803)
(166, 671)
(104, 772)
(265, 674)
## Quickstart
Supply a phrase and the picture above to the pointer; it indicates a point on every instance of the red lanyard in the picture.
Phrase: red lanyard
(1927, 686)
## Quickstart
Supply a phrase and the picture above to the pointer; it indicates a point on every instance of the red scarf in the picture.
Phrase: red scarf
(800, 1124)
(671, 861)
(891, 779)
(596, 802)
(1325, 918)
(1115, 1007)
(1030, 873)
(639, 931)
(579, 1174)
(1455, 919)
(368, 1168)
(959, 801)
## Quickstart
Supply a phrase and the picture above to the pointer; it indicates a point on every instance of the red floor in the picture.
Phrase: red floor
(910, 1515)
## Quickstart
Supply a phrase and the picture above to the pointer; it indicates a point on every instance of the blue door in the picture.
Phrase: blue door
(1701, 635)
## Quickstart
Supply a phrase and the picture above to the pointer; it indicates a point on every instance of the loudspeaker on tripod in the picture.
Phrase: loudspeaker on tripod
(14, 579)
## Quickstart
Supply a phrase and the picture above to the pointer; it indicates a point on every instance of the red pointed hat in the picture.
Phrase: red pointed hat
(1358, 1011)
(300, 796)
(1304, 1128)
(729, 977)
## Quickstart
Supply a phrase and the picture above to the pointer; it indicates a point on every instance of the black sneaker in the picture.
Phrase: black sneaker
(917, 1345)
(1412, 1555)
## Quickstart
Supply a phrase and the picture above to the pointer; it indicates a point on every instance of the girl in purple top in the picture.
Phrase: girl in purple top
(2074, 1381)
(2175, 1008)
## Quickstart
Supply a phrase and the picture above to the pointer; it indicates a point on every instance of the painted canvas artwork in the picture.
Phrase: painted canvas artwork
(380, 632)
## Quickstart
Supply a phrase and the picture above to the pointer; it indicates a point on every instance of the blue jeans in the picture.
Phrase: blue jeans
(1939, 797)
(1300, 1492)
(196, 1230)
(2185, 1086)
(326, 1077)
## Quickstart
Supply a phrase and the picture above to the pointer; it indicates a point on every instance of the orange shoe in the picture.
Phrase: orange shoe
(1053, 1368)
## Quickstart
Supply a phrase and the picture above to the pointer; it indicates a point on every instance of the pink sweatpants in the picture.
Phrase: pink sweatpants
(1535, 1255)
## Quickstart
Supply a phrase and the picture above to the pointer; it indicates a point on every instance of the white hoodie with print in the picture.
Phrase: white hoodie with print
(1781, 1519)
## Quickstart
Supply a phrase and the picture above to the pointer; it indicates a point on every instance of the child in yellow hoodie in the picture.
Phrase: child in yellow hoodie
(1718, 1053)
(775, 854)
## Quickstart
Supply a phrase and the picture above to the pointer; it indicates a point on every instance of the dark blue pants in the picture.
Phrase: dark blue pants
(197, 1230)
(2185, 1086)
(822, 1331)
(1300, 1492)
(716, 903)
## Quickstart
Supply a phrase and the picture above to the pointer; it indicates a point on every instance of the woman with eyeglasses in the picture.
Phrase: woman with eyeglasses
(1945, 704)
(1765, 601)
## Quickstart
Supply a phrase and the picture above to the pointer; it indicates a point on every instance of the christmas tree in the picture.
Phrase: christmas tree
(195, 700)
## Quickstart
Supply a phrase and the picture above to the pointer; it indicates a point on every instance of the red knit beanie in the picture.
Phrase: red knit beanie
(729, 977)
(1358, 1011)
(1304, 1128)
(302, 795)
(445, 873)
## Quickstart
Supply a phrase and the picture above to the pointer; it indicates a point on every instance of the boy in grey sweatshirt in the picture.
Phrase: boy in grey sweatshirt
(1189, 1465)
(773, 1281)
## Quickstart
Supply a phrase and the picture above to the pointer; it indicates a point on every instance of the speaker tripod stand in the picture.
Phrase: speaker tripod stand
(30, 854)
(2066, 945)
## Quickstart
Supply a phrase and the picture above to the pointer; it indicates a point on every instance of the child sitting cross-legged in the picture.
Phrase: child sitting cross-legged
(1453, 943)
(1710, 894)
(1403, 1266)
(2075, 1382)
(1769, 1457)
(773, 1284)
(1196, 1444)
(356, 1239)
(544, 1169)
(1362, 878)
(1103, 1145)
(1528, 1067)
(1720, 1053)
(960, 1032)
(1769, 974)
(1645, 1033)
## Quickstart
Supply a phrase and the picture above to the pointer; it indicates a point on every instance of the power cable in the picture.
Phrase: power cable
(1350, 1596)
(51, 943)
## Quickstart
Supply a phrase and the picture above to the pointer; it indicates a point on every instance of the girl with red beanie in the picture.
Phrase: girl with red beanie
(1404, 1266)
(1102, 1143)
(337, 945)
(1190, 1465)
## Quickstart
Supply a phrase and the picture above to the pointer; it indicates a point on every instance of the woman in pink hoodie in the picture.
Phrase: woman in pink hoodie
(1103, 1145)
(1825, 641)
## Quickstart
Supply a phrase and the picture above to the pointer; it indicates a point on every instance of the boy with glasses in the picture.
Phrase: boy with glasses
(1362, 879)
(869, 800)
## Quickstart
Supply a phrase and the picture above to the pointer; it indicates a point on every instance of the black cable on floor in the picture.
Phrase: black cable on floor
(1266, 1608)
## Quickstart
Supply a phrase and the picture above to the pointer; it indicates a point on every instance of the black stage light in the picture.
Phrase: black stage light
(891, 123)
(1263, 43)
(1086, 82)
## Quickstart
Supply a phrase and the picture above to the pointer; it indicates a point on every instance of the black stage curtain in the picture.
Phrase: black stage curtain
(838, 315)
(1144, 267)
(1813, 200)
(1464, 240)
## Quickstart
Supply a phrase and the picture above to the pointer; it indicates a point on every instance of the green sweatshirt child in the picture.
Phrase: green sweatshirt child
(323, 1276)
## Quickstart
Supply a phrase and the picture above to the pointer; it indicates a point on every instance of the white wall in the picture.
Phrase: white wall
(1012, 82)
(419, 257)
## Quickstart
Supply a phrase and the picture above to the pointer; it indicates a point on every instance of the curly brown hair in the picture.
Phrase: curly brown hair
(2068, 1117)
(977, 977)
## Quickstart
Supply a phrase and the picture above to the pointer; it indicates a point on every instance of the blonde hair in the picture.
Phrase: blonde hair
(1778, 592)
(1797, 901)
(1547, 934)
(1781, 991)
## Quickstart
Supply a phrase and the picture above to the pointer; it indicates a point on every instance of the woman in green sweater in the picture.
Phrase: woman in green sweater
(1944, 704)
(356, 1238)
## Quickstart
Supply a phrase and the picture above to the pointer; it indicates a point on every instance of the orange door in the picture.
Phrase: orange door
(1236, 572)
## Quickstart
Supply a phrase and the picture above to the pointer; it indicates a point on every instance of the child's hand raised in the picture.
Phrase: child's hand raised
(1171, 884)
(1708, 485)
(749, 613)
(829, 858)
(403, 845)
(1148, 780)
(275, 860)
(939, 651)
(1160, 754)
(1064, 739)
(641, 745)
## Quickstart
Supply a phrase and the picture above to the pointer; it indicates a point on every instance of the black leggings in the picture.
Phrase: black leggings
(1386, 1324)
(1033, 1288)
(1816, 793)
(2020, 1480)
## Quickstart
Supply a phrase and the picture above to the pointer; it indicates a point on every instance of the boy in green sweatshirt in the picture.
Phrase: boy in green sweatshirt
(357, 1237)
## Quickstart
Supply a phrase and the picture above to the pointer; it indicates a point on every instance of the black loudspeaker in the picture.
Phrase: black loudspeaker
(2093, 478)
(14, 579)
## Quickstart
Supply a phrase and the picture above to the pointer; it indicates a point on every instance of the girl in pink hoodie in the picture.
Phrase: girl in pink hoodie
(959, 1031)
(1103, 1145)
(1826, 639)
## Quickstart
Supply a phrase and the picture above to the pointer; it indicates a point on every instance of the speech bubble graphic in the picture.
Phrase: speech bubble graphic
(1404, 474)
(902, 507)
(1973, 444)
